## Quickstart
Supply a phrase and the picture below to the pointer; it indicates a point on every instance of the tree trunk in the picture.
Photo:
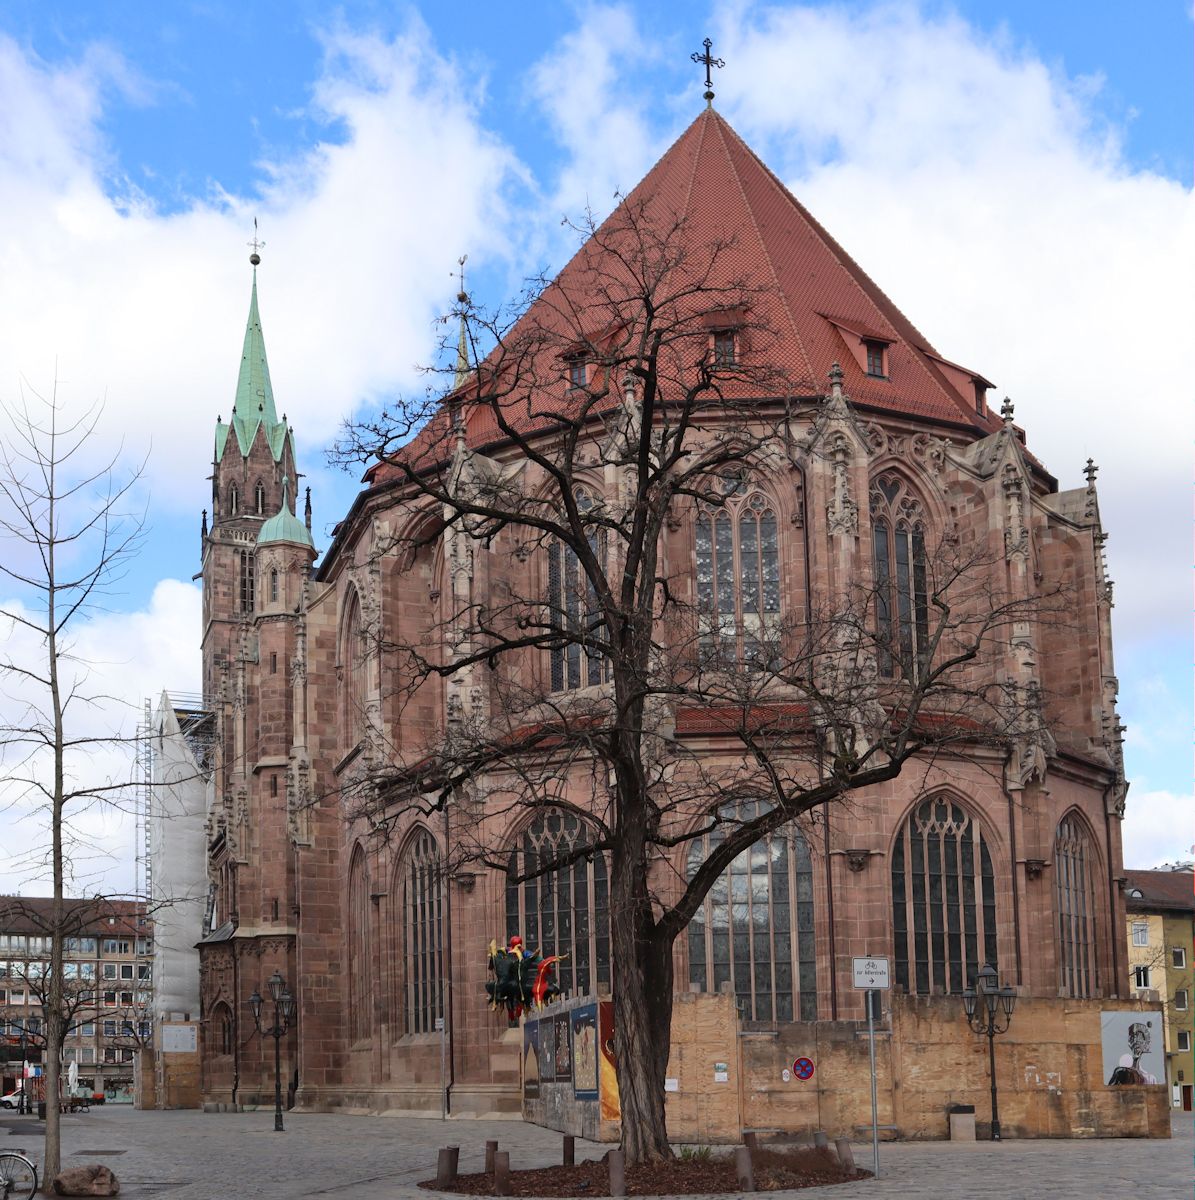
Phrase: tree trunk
(642, 1002)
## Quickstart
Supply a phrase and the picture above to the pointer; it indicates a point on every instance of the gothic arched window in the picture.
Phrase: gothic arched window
(564, 911)
(755, 926)
(943, 899)
(259, 498)
(422, 935)
(234, 500)
(738, 577)
(1074, 882)
(352, 663)
(248, 583)
(573, 610)
(898, 556)
(360, 993)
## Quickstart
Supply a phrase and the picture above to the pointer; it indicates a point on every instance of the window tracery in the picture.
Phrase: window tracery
(1074, 883)
(755, 927)
(360, 993)
(901, 576)
(422, 954)
(573, 611)
(943, 899)
(738, 577)
(564, 911)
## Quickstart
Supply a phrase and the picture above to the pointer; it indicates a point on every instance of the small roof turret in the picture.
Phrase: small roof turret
(284, 526)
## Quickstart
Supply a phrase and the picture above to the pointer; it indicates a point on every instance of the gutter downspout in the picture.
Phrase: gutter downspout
(449, 1021)
(1016, 882)
(1112, 896)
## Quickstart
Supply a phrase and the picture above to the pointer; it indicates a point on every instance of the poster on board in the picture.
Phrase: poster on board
(564, 1056)
(531, 1060)
(1132, 1047)
(585, 1052)
(611, 1108)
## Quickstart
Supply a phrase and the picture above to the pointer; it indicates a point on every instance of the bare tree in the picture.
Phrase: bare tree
(69, 535)
(639, 395)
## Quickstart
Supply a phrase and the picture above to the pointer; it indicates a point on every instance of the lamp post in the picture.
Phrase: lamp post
(23, 1099)
(989, 1011)
(284, 1015)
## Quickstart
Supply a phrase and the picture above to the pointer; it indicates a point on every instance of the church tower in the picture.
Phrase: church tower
(257, 557)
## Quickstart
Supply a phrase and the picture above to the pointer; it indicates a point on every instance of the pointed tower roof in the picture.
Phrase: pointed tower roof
(254, 403)
(819, 304)
(284, 526)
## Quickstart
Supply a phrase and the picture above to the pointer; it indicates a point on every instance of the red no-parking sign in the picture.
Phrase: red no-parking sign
(803, 1068)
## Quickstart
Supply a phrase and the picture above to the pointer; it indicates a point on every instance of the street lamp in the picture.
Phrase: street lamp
(23, 1106)
(284, 1015)
(989, 1011)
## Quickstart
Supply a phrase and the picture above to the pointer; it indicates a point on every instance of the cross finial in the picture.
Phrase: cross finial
(255, 245)
(1006, 411)
(1090, 471)
(710, 63)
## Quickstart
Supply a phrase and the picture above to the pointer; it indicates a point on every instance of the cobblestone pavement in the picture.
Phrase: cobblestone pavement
(198, 1156)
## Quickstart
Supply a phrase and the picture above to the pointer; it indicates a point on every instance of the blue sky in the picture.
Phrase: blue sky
(1017, 175)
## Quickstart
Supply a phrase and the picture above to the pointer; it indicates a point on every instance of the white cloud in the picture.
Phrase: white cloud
(149, 308)
(979, 190)
(121, 658)
(1159, 827)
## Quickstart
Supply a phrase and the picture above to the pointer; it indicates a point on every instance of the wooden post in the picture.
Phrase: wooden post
(617, 1164)
(743, 1170)
(502, 1173)
(491, 1148)
(446, 1165)
(570, 1150)
(846, 1155)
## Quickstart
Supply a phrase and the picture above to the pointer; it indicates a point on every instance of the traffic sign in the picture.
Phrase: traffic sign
(871, 973)
(803, 1068)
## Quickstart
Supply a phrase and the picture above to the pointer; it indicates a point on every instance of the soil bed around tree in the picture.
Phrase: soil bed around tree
(774, 1170)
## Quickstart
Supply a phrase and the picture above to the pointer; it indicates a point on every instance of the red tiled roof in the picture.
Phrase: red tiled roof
(1160, 889)
(798, 271)
(99, 916)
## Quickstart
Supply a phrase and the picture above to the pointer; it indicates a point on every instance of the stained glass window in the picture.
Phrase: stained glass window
(738, 580)
(901, 596)
(943, 900)
(1075, 890)
(755, 928)
(564, 911)
(423, 931)
(573, 611)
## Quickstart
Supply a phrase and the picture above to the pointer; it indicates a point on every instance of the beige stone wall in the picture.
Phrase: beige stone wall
(1049, 1072)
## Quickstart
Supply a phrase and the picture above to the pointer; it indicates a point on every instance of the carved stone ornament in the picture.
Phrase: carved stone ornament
(1034, 867)
(856, 859)
(842, 513)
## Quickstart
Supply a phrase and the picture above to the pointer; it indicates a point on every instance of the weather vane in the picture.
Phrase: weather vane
(256, 245)
(710, 63)
(462, 296)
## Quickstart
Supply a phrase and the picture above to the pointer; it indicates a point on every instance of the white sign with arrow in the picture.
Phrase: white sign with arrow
(871, 973)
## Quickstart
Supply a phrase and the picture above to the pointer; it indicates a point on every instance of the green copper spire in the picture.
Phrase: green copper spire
(254, 403)
(284, 526)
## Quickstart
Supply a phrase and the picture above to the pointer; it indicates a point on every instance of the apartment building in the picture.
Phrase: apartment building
(1160, 909)
(107, 989)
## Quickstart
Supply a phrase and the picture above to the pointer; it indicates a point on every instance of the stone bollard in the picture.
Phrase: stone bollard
(821, 1141)
(617, 1164)
(502, 1173)
(743, 1170)
(570, 1150)
(751, 1141)
(446, 1165)
(846, 1156)
(491, 1148)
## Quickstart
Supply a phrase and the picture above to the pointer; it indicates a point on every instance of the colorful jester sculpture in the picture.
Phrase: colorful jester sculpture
(520, 979)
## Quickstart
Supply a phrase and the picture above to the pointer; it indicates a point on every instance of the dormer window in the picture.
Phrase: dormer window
(981, 398)
(578, 372)
(725, 349)
(877, 368)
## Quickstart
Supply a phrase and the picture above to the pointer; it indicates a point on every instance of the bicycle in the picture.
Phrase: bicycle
(18, 1176)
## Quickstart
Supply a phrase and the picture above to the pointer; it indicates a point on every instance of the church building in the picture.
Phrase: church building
(1007, 854)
